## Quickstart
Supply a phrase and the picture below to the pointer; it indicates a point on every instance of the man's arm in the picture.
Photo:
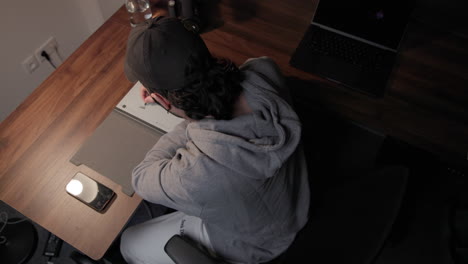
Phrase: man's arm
(168, 144)
(158, 178)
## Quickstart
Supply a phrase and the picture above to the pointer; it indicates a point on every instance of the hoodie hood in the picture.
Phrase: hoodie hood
(257, 144)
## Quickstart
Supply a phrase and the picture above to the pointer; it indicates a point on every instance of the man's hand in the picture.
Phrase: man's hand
(146, 96)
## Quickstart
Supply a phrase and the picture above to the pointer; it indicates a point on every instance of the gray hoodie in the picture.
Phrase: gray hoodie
(246, 178)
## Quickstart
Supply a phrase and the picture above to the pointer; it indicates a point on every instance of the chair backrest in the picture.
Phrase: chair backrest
(352, 222)
(185, 251)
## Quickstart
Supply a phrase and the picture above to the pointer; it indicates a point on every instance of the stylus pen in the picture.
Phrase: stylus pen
(154, 100)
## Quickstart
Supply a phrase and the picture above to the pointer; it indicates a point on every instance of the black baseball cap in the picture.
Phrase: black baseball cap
(158, 52)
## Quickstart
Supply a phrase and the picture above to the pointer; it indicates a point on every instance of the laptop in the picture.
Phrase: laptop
(354, 43)
(122, 140)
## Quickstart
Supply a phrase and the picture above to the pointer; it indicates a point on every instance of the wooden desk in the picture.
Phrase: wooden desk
(425, 105)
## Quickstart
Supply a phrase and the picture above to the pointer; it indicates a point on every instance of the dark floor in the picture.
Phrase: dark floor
(436, 191)
(340, 153)
(42, 235)
(424, 229)
(144, 212)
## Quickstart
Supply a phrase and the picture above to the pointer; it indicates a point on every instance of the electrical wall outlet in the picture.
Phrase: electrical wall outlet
(50, 46)
(30, 64)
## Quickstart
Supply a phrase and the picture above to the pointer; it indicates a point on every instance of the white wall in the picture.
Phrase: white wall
(25, 25)
(109, 7)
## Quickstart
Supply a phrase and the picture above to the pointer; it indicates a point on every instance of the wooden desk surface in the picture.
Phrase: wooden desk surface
(425, 105)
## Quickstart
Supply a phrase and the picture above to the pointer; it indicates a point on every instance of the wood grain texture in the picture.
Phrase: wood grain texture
(426, 105)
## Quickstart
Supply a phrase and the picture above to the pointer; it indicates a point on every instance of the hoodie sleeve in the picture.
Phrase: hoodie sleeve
(159, 178)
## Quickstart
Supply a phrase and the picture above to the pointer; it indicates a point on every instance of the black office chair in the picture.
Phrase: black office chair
(183, 250)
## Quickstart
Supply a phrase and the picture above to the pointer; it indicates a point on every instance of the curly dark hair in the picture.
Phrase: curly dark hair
(211, 87)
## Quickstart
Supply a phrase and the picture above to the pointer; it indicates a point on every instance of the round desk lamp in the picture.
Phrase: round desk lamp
(17, 241)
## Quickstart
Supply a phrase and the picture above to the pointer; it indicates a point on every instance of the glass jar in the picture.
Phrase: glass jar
(139, 11)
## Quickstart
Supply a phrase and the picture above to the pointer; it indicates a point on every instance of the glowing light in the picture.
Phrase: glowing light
(75, 187)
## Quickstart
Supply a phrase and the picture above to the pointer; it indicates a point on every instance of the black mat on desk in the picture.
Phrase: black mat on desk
(116, 147)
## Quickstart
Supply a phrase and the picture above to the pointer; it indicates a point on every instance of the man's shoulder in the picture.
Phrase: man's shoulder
(261, 64)
(264, 72)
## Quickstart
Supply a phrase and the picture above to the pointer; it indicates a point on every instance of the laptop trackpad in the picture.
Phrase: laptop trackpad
(116, 147)
(338, 71)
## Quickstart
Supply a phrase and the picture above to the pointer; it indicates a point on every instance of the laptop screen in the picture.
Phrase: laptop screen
(379, 21)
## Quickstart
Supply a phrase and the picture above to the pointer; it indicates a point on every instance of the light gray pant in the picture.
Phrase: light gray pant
(144, 243)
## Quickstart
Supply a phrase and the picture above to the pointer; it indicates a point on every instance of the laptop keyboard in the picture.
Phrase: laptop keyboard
(352, 51)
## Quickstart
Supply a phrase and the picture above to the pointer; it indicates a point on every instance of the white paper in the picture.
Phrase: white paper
(152, 113)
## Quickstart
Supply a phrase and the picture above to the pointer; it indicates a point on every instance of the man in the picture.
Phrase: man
(233, 170)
